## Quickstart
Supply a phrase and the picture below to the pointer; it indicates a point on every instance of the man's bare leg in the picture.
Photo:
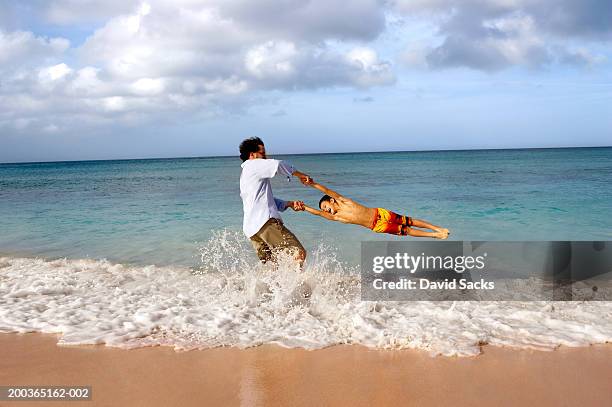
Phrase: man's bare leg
(303, 291)
(297, 254)
(300, 257)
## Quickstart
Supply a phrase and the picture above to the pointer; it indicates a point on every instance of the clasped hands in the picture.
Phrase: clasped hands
(307, 181)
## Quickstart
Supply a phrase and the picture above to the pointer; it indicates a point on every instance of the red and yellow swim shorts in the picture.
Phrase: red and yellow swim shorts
(386, 221)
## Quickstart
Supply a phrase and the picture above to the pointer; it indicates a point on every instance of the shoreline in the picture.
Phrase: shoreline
(338, 375)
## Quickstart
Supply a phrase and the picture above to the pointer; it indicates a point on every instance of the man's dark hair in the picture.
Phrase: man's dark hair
(325, 198)
(248, 146)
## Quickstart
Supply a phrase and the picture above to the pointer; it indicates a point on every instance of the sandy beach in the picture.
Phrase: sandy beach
(339, 375)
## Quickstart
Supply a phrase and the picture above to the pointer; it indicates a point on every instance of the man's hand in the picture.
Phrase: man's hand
(304, 178)
(296, 205)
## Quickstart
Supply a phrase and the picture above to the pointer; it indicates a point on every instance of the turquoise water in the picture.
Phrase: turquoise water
(164, 212)
(161, 211)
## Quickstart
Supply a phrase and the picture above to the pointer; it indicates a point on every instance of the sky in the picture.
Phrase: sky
(86, 79)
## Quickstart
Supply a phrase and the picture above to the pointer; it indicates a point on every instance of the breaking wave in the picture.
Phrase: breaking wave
(232, 300)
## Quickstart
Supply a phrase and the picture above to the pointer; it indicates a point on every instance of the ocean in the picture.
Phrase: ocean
(139, 252)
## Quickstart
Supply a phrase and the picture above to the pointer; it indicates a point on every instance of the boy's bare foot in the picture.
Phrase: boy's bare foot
(442, 234)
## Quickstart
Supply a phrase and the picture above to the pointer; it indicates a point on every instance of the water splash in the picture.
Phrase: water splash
(233, 300)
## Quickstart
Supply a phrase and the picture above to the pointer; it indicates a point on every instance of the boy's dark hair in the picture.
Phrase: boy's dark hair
(248, 146)
(325, 198)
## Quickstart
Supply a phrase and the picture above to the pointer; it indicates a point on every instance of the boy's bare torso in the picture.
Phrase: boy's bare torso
(350, 211)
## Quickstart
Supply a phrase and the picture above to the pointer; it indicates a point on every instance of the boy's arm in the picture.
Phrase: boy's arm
(318, 212)
(304, 178)
(324, 189)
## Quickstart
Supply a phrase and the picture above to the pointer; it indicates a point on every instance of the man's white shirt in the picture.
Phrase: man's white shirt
(258, 203)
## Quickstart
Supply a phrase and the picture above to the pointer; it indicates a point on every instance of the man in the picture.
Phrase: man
(262, 222)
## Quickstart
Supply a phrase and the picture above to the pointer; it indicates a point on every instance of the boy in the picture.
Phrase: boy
(339, 208)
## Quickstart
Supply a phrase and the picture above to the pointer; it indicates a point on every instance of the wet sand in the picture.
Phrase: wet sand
(337, 376)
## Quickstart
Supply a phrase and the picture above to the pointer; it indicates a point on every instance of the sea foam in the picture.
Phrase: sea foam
(232, 300)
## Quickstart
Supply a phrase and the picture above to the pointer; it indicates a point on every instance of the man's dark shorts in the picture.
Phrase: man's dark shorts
(274, 237)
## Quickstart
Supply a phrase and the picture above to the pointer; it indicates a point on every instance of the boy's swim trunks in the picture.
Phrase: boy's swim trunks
(386, 221)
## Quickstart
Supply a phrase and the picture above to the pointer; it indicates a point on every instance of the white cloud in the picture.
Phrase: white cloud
(370, 71)
(491, 35)
(114, 103)
(86, 83)
(312, 20)
(272, 59)
(84, 11)
(163, 58)
(148, 86)
(365, 57)
(22, 48)
(54, 73)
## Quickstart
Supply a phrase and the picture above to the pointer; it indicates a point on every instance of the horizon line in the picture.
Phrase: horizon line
(300, 154)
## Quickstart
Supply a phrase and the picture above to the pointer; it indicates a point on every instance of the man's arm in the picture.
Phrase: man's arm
(269, 167)
(283, 205)
(288, 169)
(318, 212)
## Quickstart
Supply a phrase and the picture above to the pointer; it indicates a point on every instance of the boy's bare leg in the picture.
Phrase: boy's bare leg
(422, 224)
(421, 233)
(437, 231)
